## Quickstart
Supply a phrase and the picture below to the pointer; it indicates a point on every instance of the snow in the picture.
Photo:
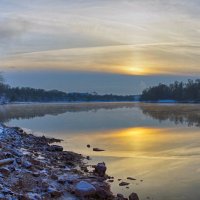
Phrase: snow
(167, 101)
(85, 186)
(1, 131)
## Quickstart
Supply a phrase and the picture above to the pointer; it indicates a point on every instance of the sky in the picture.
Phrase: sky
(107, 46)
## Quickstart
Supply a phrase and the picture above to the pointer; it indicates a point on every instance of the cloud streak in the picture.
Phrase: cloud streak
(143, 59)
(12, 28)
(123, 37)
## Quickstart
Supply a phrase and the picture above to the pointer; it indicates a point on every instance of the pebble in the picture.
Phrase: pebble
(27, 164)
(123, 183)
(133, 196)
(4, 171)
(130, 178)
(97, 149)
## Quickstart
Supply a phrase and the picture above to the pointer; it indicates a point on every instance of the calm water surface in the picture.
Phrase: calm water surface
(159, 145)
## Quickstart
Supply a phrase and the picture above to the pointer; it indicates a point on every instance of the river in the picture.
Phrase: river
(157, 144)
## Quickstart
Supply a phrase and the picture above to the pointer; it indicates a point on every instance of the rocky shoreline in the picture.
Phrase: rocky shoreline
(34, 168)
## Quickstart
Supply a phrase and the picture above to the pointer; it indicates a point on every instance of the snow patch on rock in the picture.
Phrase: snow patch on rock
(83, 188)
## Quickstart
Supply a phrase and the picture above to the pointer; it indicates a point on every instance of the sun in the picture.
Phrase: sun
(132, 70)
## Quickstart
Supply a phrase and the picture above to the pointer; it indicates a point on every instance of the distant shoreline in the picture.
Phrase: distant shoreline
(73, 102)
(101, 102)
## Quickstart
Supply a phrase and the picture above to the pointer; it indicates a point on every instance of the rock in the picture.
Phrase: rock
(8, 155)
(83, 188)
(62, 180)
(35, 162)
(54, 192)
(120, 197)
(32, 196)
(54, 177)
(97, 149)
(100, 169)
(130, 178)
(6, 191)
(11, 168)
(27, 164)
(2, 197)
(44, 185)
(7, 161)
(19, 160)
(86, 170)
(69, 178)
(4, 171)
(88, 157)
(32, 169)
(133, 196)
(51, 140)
(16, 152)
(123, 183)
(103, 190)
(36, 174)
(19, 129)
(55, 148)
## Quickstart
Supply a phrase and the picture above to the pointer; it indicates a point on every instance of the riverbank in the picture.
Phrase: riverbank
(34, 168)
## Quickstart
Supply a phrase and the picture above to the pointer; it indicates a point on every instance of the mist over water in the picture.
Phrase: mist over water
(158, 144)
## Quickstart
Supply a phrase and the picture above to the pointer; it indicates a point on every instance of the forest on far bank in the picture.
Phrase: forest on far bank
(174, 92)
(177, 91)
(27, 94)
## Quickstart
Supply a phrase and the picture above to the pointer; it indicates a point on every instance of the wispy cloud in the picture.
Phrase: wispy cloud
(128, 37)
(122, 59)
(12, 28)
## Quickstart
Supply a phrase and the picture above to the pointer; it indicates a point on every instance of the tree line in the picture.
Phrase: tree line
(27, 94)
(178, 91)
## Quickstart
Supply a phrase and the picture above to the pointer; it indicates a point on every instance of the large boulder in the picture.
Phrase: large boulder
(83, 188)
(100, 169)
